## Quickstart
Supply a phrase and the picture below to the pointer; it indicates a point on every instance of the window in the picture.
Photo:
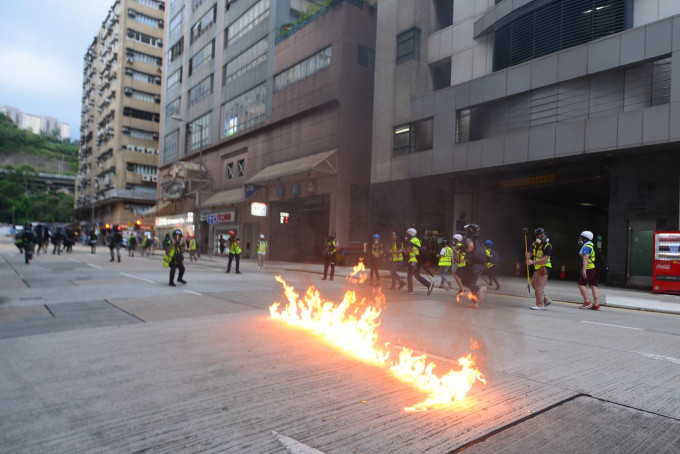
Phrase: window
(303, 69)
(253, 16)
(245, 61)
(176, 23)
(174, 79)
(408, 45)
(141, 169)
(202, 57)
(144, 19)
(177, 49)
(140, 134)
(173, 108)
(441, 74)
(365, 57)
(230, 171)
(143, 96)
(443, 10)
(142, 76)
(413, 137)
(156, 4)
(201, 90)
(203, 24)
(240, 167)
(140, 114)
(134, 55)
(143, 38)
(170, 146)
(244, 111)
(198, 132)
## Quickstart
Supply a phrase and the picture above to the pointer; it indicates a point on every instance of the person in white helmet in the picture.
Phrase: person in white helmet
(590, 275)
(261, 250)
(412, 248)
(459, 249)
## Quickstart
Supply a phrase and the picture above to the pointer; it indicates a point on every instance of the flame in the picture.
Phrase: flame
(469, 296)
(352, 327)
(358, 274)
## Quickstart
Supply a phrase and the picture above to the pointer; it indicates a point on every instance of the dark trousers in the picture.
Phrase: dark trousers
(329, 260)
(414, 270)
(374, 267)
(231, 257)
(470, 276)
(176, 266)
(491, 273)
(394, 267)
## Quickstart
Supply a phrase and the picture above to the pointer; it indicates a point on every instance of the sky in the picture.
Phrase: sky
(42, 44)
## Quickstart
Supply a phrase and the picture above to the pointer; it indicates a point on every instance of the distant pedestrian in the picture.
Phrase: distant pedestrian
(223, 245)
(174, 258)
(57, 240)
(152, 244)
(93, 242)
(330, 256)
(374, 259)
(234, 244)
(590, 275)
(261, 251)
(396, 257)
(132, 245)
(445, 262)
(115, 242)
(412, 247)
(494, 260)
(540, 258)
(28, 242)
(459, 249)
(476, 258)
(193, 249)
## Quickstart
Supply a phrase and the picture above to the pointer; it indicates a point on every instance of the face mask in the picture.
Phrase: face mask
(538, 241)
(580, 242)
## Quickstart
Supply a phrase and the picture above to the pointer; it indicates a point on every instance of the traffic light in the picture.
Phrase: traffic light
(108, 226)
(138, 222)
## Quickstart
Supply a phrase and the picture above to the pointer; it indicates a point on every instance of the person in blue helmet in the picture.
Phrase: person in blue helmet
(375, 260)
(494, 259)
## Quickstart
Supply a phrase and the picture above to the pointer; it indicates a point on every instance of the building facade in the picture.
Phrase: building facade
(122, 75)
(518, 113)
(37, 124)
(284, 82)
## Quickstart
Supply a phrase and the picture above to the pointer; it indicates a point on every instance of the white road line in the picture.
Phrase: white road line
(192, 292)
(616, 326)
(659, 357)
(294, 446)
(94, 266)
(137, 277)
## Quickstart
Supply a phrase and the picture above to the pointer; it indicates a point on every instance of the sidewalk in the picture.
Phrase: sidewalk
(558, 290)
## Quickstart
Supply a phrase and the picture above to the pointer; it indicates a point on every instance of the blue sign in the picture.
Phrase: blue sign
(212, 219)
(250, 189)
(280, 191)
(295, 190)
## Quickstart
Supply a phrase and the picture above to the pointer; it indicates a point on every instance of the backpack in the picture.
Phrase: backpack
(495, 257)
(600, 261)
(423, 256)
(478, 255)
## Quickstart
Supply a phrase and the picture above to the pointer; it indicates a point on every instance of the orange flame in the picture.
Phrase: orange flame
(468, 295)
(358, 274)
(352, 327)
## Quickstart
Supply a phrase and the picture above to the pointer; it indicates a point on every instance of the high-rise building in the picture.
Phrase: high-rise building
(561, 114)
(267, 122)
(37, 124)
(118, 156)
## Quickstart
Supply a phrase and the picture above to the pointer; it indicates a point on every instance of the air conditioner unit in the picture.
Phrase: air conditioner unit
(125, 130)
(146, 177)
(141, 149)
(130, 34)
(151, 150)
(107, 180)
(130, 60)
(157, 98)
(128, 71)
(159, 68)
(161, 6)
(131, 147)
(128, 91)
(154, 178)
(132, 13)
(159, 43)
(161, 23)
(158, 80)
(155, 136)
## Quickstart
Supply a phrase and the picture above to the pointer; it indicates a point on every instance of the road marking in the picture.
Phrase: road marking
(94, 266)
(73, 260)
(195, 293)
(293, 446)
(616, 326)
(137, 277)
(659, 357)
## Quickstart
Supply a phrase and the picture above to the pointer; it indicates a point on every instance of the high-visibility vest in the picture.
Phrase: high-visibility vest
(537, 252)
(331, 247)
(460, 255)
(375, 250)
(488, 263)
(192, 244)
(397, 256)
(261, 246)
(447, 258)
(234, 248)
(414, 252)
(591, 255)
(169, 257)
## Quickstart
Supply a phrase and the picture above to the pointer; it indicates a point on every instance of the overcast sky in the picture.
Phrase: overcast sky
(42, 44)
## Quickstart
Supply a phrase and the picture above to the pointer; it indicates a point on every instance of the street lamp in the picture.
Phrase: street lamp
(200, 170)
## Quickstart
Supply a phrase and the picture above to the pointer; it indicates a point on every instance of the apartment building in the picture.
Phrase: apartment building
(525, 113)
(36, 123)
(122, 75)
(267, 123)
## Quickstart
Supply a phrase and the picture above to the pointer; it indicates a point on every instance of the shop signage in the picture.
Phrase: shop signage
(258, 209)
(212, 219)
(295, 189)
(310, 187)
(250, 189)
(174, 190)
(227, 216)
(280, 191)
(530, 181)
(179, 219)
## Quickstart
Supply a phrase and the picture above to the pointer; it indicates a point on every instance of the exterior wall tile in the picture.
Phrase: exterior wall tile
(668, 8)
(425, 162)
(518, 79)
(516, 147)
(492, 151)
(655, 124)
(601, 133)
(460, 156)
(658, 38)
(428, 106)
(645, 11)
(569, 138)
(443, 101)
(674, 133)
(676, 33)
(541, 143)
(544, 71)
(604, 54)
(675, 76)
(632, 46)
(444, 131)
(474, 154)
(433, 48)
(442, 160)
(446, 44)
(630, 129)
(414, 165)
(461, 34)
(477, 91)
(495, 86)
(461, 67)
(572, 63)
(417, 108)
(462, 95)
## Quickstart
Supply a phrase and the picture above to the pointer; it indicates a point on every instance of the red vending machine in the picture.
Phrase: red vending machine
(666, 262)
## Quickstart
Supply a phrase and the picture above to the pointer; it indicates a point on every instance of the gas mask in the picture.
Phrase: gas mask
(580, 242)
(538, 241)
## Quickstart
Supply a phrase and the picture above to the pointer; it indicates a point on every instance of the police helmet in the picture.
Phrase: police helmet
(472, 228)
(177, 232)
(412, 231)
(540, 230)
(458, 237)
(587, 234)
(376, 236)
(488, 243)
(232, 233)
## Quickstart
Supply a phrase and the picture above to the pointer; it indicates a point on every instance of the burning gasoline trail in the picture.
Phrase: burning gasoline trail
(352, 327)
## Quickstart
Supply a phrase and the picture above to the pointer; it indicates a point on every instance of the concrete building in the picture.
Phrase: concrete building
(37, 124)
(279, 117)
(517, 113)
(118, 156)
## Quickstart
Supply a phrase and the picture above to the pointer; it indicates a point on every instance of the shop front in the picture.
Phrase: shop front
(166, 224)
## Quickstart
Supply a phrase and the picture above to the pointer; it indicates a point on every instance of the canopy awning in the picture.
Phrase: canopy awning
(224, 198)
(325, 162)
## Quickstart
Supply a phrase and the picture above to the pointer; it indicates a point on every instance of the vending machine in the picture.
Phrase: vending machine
(666, 277)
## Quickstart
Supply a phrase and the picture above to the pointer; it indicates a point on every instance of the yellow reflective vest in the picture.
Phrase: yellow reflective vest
(447, 258)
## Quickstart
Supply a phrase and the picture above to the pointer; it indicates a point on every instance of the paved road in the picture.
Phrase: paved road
(105, 357)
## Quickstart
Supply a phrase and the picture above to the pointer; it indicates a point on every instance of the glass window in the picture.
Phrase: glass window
(408, 45)
(176, 23)
(204, 23)
(142, 76)
(303, 69)
(144, 38)
(177, 49)
(174, 79)
(244, 111)
(253, 16)
(241, 167)
(170, 146)
(133, 55)
(173, 108)
(144, 19)
(230, 171)
(365, 57)
(202, 57)
(250, 58)
(198, 132)
(201, 90)
(156, 4)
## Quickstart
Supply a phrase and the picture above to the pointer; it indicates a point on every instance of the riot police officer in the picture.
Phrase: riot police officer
(28, 242)
(115, 242)
(174, 258)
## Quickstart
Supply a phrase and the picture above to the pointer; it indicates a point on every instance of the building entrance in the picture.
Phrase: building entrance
(298, 229)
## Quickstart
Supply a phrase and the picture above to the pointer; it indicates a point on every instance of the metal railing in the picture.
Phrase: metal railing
(316, 15)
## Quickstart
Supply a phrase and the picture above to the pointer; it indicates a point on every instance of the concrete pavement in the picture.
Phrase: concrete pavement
(105, 357)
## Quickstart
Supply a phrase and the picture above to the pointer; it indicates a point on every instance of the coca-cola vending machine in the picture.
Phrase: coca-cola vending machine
(666, 277)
